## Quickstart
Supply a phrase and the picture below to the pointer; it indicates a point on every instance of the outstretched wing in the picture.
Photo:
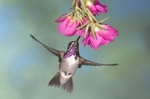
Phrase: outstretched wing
(52, 50)
(84, 61)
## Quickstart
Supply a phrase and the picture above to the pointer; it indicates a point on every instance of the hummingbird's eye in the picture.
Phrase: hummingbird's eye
(65, 73)
(69, 73)
(75, 57)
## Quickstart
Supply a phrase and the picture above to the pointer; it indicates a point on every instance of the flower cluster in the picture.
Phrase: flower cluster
(81, 21)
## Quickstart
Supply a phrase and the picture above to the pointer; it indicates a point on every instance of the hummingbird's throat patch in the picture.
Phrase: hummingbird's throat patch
(71, 51)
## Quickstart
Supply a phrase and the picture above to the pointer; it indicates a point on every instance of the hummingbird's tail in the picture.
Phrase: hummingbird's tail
(68, 86)
(55, 81)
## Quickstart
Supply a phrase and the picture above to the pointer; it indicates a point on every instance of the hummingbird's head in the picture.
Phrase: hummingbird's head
(73, 48)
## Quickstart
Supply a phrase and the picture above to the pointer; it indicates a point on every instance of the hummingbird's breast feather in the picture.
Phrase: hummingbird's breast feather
(71, 61)
(70, 64)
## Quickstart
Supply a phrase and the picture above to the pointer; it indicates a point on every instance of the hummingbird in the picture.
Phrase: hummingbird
(69, 60)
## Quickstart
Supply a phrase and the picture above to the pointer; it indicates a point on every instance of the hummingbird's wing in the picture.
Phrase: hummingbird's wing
(84, 61)
(52, 50)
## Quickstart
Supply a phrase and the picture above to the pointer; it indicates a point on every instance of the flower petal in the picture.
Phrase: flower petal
(68, 27)
(97, 7)
(109, 34)
(101, 8)
(96, 43)
(80, 32)
(92, 9)
(60, 19)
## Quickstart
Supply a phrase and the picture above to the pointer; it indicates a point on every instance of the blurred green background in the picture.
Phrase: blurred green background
(26, 67)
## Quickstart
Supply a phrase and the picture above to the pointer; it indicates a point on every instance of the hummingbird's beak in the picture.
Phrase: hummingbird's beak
(78, 39)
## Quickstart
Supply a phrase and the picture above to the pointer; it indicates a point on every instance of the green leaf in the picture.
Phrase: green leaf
(67, 14)
(101, 21)
(91, 1)
(79, 17)
(101, 28)
(86, 30)
(83, 5)
(93, 32)
(82, 12)
(76, 3)
(73, 3)
(93, 17)
(75, 18)
(80, 27)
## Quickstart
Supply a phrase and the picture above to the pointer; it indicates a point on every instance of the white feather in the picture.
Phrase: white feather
(71, 60)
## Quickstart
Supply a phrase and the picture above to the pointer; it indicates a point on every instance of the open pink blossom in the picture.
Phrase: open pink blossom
(103, 37)
(68, 26)
(101, 8)
(97, 7)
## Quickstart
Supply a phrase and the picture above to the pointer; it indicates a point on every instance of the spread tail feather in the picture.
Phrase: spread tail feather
(55, 81)
(68, 86)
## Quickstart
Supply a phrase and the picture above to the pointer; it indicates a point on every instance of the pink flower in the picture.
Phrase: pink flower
(101, 8)
(103, 37)
(68, 26)
(60, 19)
(80, 32)
(97, 7)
